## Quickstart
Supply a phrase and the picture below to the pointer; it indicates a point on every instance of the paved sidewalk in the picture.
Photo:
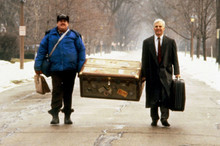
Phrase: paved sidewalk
(99, 122)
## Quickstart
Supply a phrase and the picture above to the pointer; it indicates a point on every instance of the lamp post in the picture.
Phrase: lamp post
(123, 43)
(192, 50)
(218, 31)
(101, 42)
(22, 33)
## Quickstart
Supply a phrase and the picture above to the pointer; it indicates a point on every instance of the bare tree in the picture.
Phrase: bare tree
(9, 19)
(127, 25)
(177, 15)
(207, 18)
(9, 14)
(85, 17)
(110, 20)
(122, 14)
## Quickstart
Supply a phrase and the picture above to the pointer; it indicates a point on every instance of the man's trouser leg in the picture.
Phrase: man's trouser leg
(56, 101)
(57, 92)
(68, 83)
(164, 113)
(154, 113)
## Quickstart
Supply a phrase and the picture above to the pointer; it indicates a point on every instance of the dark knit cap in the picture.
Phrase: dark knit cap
(62, 17)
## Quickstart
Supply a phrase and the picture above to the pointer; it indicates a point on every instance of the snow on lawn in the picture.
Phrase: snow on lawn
(207, 71)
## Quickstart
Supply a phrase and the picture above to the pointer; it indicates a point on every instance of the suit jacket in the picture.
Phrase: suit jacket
(153, 71)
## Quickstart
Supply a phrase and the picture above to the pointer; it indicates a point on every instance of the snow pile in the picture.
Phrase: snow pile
(11, 75)
(207, 71)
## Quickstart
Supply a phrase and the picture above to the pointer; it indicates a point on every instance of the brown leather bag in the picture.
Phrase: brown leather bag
(41, 85)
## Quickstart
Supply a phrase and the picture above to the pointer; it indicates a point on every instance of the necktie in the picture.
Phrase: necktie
(159, 50)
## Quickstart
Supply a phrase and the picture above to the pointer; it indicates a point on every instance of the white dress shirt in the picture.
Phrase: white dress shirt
(156, 42)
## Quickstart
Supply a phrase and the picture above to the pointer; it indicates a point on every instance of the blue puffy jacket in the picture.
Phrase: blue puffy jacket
(68, 55)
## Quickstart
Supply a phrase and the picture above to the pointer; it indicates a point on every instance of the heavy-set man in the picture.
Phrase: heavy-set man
(66, 60)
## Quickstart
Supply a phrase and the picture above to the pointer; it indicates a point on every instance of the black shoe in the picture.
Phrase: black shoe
(67, 119)
(55, 120)
(165, 123)
(154, 123)
(55, 117)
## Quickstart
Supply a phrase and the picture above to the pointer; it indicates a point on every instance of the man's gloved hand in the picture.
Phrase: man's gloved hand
(38, 72)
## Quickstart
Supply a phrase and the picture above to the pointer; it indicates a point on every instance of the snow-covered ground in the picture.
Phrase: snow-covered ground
(207, 71)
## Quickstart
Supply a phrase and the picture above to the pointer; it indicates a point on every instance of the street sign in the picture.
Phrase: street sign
(22, 30)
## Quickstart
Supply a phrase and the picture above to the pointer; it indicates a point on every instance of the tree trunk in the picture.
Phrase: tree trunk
(198, 46)
(204, 48)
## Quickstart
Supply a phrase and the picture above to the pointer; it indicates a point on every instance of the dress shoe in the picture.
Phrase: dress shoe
(154, 123)
(67, 118)
(165, 123)
(55, 120)
(55, 117)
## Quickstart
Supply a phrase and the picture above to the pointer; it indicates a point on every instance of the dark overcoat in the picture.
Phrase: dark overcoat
(154, 71)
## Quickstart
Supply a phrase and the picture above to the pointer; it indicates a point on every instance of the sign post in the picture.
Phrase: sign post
(22, 33)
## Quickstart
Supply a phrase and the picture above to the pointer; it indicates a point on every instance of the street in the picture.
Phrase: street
(100, 122)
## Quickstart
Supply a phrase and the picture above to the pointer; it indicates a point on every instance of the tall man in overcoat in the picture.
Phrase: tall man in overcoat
(159, 62)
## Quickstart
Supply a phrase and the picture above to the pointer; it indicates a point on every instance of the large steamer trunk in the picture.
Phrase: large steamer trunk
(111, 79)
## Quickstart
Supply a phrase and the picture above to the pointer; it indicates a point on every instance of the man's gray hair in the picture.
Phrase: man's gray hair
(160, 20)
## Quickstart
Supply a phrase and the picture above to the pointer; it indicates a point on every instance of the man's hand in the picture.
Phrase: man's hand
(143, 79)
(177, 76)
(38, 72)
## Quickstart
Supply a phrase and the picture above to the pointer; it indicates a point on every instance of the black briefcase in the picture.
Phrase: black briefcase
(178, 96)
